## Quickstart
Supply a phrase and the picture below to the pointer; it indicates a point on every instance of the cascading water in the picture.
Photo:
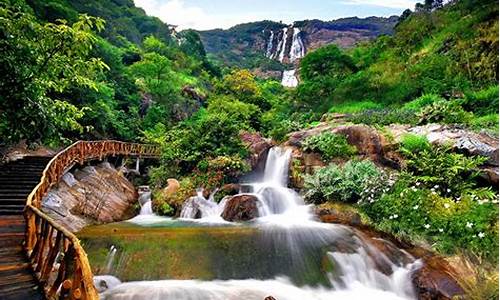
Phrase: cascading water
(291, 248)
(298, 50)
(282, 44)
(289, 79)
(269, 50)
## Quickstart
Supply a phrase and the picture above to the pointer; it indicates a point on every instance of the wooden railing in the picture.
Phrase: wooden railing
(56, 255)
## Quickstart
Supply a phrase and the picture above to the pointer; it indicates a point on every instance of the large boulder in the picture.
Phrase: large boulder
(99, 194)
(241, 207)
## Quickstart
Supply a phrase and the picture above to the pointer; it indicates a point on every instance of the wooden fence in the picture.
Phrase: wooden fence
(56, 255)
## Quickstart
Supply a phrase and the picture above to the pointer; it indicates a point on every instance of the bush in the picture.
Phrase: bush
(340, 183)
(422, 101)
(445, 112)
(415, 143)
(385, 117)
(329, 145)
(231, 166)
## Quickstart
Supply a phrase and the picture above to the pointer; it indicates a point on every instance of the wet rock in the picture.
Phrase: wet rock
(99, 194)
(435, 280)
(258, 147)
(241, 207)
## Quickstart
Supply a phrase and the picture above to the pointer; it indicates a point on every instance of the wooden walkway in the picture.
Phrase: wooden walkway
(17, 180)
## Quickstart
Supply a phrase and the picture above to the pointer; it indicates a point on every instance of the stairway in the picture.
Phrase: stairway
(17, 180)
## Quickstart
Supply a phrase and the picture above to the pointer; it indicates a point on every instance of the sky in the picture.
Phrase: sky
(210, 14)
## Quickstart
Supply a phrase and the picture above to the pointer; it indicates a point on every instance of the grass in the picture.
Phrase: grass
(354, 107)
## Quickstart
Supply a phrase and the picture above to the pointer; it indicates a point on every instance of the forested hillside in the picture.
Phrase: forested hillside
(94, 69)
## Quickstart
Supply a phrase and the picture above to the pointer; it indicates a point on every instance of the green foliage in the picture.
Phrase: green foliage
(385, 117)
(466, 222)
(482, 102)
(446, 112)
(439, 168)
(354, 107)
(422, 101)
(488, 123)
(242, 85)
(334, 183)
(412, 143)
(38, 63)
(329, 145)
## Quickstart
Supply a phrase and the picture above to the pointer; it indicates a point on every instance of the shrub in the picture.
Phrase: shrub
(340, 183)
(445, 112)
(231, 166)
(329, 145)
(415, 143)
(385, 117)
(422, 101)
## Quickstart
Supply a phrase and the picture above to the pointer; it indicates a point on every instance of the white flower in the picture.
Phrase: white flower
(446, 205)
(436, 186)
(469, 225)
(390, 217)
(415, 207)
(481, 234)
(395, 216)
(434, 192)
(459, 198)
(427, 226)
(417, 184)
(448, 190)
(441, 229)
(401, 195)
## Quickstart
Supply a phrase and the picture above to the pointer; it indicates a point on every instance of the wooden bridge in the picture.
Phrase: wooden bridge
(40, 259)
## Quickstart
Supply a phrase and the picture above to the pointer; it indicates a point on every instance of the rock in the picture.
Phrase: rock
(258, 147)
(105, 282)
(241, 207)
(435, 280)
(338, 213)
(92, 195)
(172, 186)
(462, 140)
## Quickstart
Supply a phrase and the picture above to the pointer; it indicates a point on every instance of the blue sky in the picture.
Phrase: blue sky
(209, 14)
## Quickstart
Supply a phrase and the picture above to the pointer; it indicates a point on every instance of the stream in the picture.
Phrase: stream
(284, 253)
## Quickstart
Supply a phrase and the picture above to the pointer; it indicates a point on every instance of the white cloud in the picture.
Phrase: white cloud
(384, 3)
(176, 12)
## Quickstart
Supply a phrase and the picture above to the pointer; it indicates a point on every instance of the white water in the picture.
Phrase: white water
(297, 51)
(269, 50)
(290, 224)
(282, 45)
(145, 201)
(289, 79)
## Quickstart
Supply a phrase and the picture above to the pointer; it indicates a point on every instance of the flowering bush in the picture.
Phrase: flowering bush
(466, 222)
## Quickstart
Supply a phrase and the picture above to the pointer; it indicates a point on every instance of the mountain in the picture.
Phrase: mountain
(270, 47)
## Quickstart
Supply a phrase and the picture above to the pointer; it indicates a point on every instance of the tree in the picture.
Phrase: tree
(39, 62)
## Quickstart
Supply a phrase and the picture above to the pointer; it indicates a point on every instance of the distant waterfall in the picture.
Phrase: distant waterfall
(283, 44)
(289, 79)
(297, 51)
(269, 50)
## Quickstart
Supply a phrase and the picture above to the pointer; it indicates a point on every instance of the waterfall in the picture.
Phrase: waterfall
(145, 202)
(297, 51)
(110, 258)
(289, 79)
(282, 45)
(288, 231)
(269, 50)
